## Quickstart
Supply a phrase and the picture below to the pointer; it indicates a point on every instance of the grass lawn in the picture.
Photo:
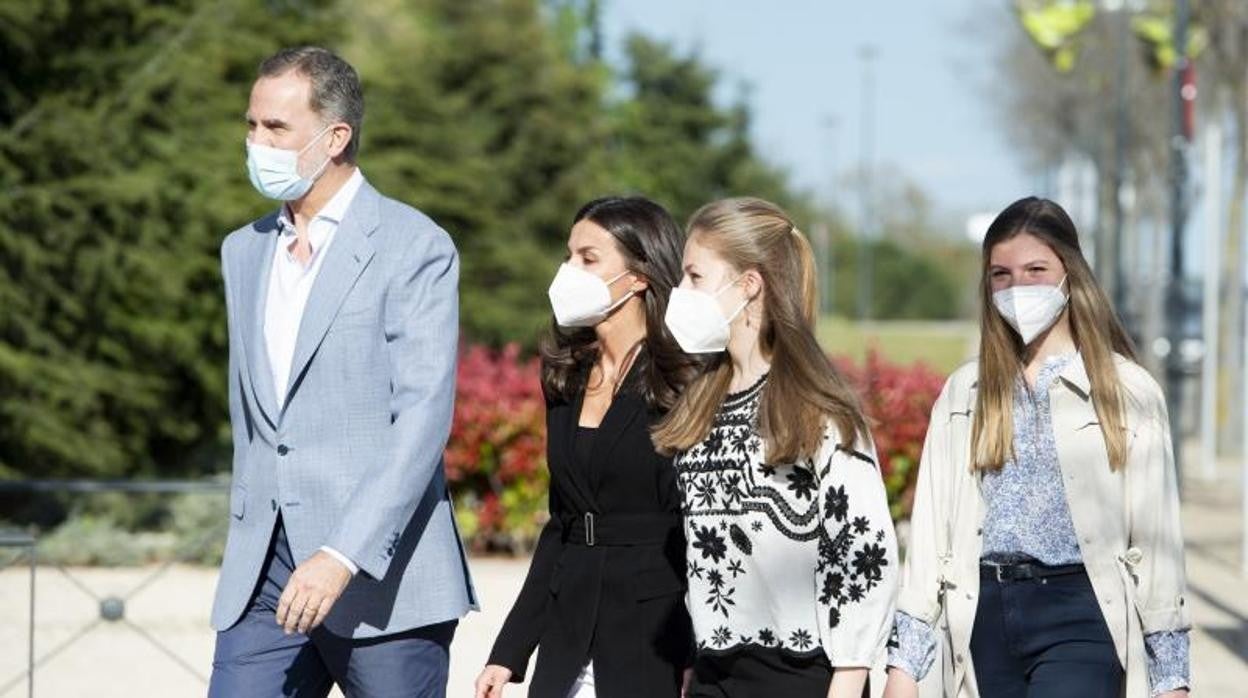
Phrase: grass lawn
(941, 344)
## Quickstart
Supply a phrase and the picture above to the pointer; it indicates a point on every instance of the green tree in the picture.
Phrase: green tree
(671, 140)
(479, 115)
(120, 163)
(121, 170)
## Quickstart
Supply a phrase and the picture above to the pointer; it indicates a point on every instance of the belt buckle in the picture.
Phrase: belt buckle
(589, 529)
(997, 571)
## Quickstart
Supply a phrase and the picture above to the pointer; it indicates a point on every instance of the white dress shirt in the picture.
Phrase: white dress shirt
(290, 284)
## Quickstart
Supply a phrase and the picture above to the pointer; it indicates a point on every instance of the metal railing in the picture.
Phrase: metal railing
(25, 542)
(111, 607)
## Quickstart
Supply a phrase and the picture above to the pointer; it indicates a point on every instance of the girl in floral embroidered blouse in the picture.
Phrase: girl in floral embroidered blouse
(792, 560)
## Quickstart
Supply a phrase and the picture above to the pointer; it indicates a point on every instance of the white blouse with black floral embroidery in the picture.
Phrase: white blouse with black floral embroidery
(798, 558)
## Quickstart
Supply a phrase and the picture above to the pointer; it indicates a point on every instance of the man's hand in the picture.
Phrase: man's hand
(313, 588)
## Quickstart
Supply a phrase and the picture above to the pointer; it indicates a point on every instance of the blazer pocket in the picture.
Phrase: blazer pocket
(659, 581)
(238, 501)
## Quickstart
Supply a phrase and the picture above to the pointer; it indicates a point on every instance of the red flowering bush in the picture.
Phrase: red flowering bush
(898, 402)
(496, 456)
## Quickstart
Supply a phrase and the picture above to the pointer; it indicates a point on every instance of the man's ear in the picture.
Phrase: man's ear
(339, 138)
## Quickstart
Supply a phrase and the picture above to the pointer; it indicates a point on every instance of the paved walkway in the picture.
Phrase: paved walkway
(115, 659)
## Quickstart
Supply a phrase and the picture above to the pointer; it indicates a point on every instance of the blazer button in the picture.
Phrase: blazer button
(273, 503)
(282, 450)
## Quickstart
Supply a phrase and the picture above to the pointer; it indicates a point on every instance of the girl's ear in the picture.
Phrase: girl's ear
(752, 284)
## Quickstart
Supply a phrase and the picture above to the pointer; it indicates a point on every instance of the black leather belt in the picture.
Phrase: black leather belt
(619, 529)
(1022, 571)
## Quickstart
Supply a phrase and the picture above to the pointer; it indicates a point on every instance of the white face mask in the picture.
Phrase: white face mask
(697, 322)
(1030, 310)
(581, 299)
(274, 172)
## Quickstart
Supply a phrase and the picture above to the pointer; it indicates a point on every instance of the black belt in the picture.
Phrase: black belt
(1022, 571)
(619, 529)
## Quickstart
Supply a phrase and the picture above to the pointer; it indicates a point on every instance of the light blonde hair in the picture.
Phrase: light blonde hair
(803, 391)
(1094, 325)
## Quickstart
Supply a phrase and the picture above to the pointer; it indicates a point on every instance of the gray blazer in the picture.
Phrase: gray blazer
(354, 459)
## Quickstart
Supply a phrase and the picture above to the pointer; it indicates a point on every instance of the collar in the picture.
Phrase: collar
(1076, 376)
(333, 211)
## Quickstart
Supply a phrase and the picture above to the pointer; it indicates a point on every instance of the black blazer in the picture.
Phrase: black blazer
(610, 588)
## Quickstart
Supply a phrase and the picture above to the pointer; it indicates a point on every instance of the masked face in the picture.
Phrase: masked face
(582, 299)
(288, 144)
(701, 310)
(1027, 280)
(274, 172)
(581, 292)
(1030, 310)
(697, 319)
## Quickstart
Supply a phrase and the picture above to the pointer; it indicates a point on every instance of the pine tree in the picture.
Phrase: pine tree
(121, 163)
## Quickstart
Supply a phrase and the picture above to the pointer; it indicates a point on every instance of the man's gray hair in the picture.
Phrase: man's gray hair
(336, 93)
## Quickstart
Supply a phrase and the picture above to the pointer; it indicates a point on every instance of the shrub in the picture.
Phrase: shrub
(496, 455)
(495, 465)
(898, 402)
(87, 539)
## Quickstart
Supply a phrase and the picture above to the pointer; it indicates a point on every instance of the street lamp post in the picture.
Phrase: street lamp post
(1121, 135)
(866, 265)
(827, 283)
(1183, 93)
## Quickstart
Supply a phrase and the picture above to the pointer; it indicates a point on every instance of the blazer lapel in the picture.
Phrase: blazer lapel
(624, 409)
(253, 294)
(346, 259)
(566, 443)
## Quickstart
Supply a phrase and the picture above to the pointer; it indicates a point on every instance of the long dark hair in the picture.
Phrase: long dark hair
(652, 244)
(1094, 327)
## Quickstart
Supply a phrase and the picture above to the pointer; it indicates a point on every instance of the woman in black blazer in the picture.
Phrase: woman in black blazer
(604, 597)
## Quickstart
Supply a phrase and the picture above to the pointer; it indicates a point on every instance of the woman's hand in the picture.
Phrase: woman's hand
(900, 684)
(848, 682)
(492, 680)
(685, 679)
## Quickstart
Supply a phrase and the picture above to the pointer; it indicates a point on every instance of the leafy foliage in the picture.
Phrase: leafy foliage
(121, 170)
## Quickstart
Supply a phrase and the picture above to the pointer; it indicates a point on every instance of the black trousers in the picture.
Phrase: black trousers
(1043, 638)
(761, 673)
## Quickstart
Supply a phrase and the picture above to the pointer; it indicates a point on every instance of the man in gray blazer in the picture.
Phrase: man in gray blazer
(343, 564)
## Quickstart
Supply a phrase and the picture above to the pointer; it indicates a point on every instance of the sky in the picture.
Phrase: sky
(932, 122)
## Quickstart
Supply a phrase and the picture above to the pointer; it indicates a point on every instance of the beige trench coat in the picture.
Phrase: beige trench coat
(1127, 522)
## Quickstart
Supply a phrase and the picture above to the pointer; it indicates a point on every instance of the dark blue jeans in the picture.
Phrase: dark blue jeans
(1043, 638)
(256, 659)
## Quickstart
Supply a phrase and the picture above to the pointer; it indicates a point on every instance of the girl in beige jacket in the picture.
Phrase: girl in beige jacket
(1045, 556)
